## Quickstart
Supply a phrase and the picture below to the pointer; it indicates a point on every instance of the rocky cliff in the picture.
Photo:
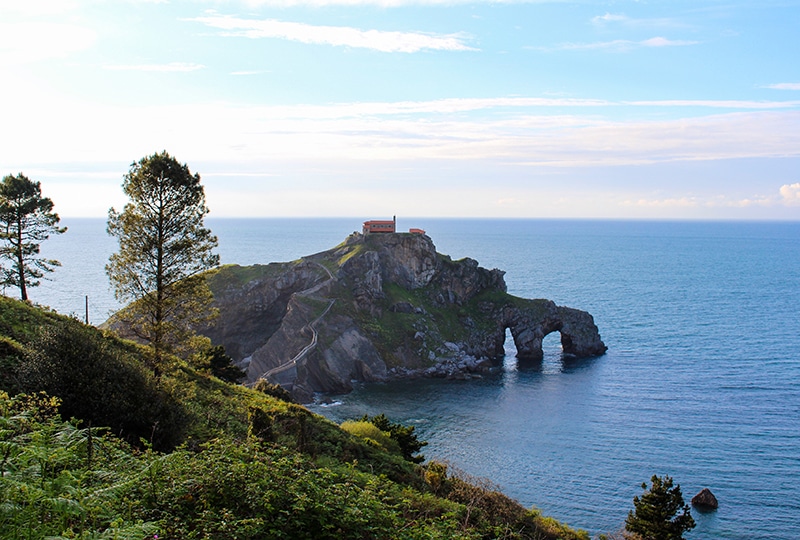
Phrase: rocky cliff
(376, 307)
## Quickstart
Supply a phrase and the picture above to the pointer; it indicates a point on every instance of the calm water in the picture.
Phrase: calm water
(701, 381)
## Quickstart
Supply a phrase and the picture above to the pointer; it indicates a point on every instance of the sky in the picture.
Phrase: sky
(649, 109)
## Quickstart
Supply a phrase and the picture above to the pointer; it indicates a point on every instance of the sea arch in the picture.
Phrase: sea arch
(530, 324)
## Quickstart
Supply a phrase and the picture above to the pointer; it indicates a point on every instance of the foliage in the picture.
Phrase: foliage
(163, 249)
(484, 507)
(372, 434)
(216, 361)
(57, 480)
(404, 436)
(101, 385)
(249, 466)
(660, 513)
(26, 219)
(274, 390)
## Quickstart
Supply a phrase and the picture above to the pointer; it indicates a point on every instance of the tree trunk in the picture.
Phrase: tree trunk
(23, 291)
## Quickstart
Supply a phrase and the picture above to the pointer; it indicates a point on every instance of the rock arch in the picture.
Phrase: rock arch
(529, 326)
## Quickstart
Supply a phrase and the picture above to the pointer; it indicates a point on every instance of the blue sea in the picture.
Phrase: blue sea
(701, 380)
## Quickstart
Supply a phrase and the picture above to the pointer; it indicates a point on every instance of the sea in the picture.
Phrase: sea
(701, 380)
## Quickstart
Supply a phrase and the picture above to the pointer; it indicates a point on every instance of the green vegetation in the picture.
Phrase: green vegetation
(182, 454)
(372, 434)
(163, 250)
(26, 219)
(236, 276)
(403, 436)
(660, 513)
(394, 438)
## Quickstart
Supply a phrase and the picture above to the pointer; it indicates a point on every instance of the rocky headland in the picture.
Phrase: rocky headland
(378, 307)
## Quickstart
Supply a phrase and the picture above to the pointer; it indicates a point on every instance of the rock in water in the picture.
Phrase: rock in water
(379, 307)
(705, 500)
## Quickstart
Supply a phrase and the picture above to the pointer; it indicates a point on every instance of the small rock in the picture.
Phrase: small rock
(705, 499)
(402, 307)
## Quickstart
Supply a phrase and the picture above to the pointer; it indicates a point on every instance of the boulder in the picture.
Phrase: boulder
(705, 500)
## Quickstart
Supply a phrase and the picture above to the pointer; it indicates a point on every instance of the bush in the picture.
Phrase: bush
(274, 390)
(404, 436)
(660, 513)
(213, 359)
(235, 490)
(371, 433)
(102, 385)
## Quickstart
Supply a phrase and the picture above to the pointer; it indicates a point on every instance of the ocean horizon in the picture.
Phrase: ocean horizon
(701, 380)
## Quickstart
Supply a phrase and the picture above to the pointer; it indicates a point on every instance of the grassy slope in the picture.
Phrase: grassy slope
(248, 465)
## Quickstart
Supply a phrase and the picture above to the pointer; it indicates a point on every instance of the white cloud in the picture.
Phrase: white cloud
(383, 3)
(379, 40)
(26, 42)
(718, 104)
(695, 201)
(790, 193)
(248, 73)
(664, 42)
(608, 17)
(255, 136)
(621, 45)
(679, 202)
(621, 19)
(441, 106)
(784, 86)
(36, 7)
(180, 67)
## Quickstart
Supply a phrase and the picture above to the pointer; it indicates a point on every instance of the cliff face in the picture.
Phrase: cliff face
(376, 307)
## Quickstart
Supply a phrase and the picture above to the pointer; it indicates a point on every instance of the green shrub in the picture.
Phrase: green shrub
(214, 360)
(274, 390)
(371, 433)
(404, 436)
(102, 385)
(237, 490)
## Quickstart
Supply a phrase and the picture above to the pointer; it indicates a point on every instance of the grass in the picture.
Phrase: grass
(235, 276)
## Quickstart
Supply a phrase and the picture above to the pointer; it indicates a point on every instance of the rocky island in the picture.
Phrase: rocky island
(378, 307)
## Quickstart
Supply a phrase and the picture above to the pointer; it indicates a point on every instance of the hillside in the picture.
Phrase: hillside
(168, 451)
(378, 307)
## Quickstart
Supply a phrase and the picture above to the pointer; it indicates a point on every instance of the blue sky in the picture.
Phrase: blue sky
(371, 108)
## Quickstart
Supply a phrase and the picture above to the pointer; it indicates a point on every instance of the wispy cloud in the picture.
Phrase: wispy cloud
(621, 45)
(179, 67)
(705, 201)
(342, 36)
(784, 86)
(679, 202)
(522, 137)
(624, 20)
(609, 17)
(718, 104)
(383, 3)
(25, 42)
(248, 73)
(38, 7)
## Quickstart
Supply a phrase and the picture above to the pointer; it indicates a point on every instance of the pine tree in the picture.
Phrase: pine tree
(26, 219)
(163, 250)
(660, 513)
